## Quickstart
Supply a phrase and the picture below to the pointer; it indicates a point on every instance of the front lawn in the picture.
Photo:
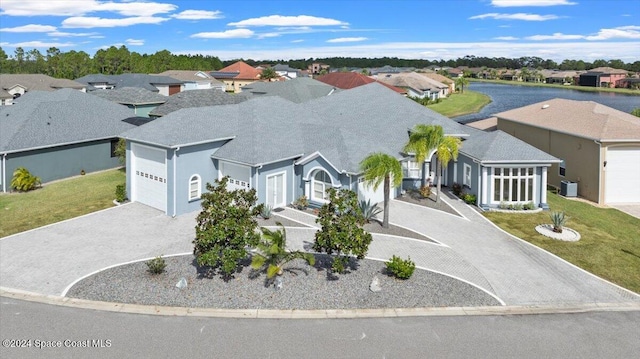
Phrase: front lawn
(58, 201)
(610, 240)
(458, 104)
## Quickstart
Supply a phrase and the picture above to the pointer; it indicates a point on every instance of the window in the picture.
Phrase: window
(194, 187)
(562, 168)
(114, 146)
(513, 184)
(319, 184)
(411, 169)
(467, 176)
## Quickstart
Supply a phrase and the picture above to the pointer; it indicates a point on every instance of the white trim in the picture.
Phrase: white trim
(284, 189)
(521, 197)
(198, 182)
(312, 182)
(308, 177)
(314, 155)
(466, 180)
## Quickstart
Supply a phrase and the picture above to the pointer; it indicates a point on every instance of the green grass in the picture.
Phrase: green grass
(459, 104)
(566, 87)
(58, 201)
(609, 246)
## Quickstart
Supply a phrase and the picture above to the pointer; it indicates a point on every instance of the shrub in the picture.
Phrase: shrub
(301, 203)
(121, 193)
(503, 205)
(401, 268)
(156, 265)
(425, 191)
(518, 206)
(23, 180)
(529, 206)
(457, 189)
(559, 219)
(265, 211)
(369, 211)
(469, 198)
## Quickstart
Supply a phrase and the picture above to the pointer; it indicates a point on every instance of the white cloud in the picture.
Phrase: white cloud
(268, 35)
(514, 3)
(278, 20)
(91, 22)
(347, 39)
(78, 8)
(29, 28)
(134, 42)
(505, 38)
(555, 36)
(297, 41)
(74, 34)
(37, 44)
(229, 34)
(518, 16)
(623, 32)
(198, 15)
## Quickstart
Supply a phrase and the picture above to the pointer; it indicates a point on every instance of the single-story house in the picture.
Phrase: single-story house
(285, 150)
(416, 85)
(599, 146)
(15, 85)
(58, 134)
(141, 101)
(194, 80)
(298, 90)
(164, 85)
(349, 80)
(196, 98)
(236, 76)
(603, 77)
(286, 71)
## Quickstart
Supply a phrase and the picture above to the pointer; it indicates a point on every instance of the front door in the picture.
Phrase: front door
(275, 190)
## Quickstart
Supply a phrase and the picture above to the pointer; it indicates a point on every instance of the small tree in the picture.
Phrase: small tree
(121, 151)
(461, 82)
(272, 253)
(23, 180)
(341, 231)
(225, 227)
(268, 74)
(636, 112)
(381, 168)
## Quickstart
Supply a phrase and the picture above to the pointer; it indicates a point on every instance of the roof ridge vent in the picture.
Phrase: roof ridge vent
(545, 106)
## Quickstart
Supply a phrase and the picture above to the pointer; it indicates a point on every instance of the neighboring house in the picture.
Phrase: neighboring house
(141, 101)
(487, 124)
(386, 69)
(316, 68)
(603, 77)
(286, 71)
(299, 90)
(285, 150)
(349, 80)
(164, 85)
(598, 145)
(236, 76)
(194, 80)
(511, 75)
(561, 77)
(15, 85)
(196, 98)
(416, 85)
(442, 79)
(58, 134)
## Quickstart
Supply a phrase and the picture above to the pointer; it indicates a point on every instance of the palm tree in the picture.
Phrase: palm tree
(422, 140)
(461, 82)
(379, 167)
(268, 73)
(446, 150)
(271, 252)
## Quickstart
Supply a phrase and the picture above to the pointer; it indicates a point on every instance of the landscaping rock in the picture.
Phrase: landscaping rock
(182, 283)
(375, 285)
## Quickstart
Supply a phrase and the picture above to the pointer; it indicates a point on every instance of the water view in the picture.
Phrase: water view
(507, 97)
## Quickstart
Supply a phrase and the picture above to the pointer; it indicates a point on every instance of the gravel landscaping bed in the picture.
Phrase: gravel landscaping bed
(306, 288)
(416, 198)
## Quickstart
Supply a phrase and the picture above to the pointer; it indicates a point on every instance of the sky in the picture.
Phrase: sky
(296, 29)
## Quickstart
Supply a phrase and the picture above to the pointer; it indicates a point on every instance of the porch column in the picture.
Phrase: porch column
(484, 185)
(543, 185)
(455, 172)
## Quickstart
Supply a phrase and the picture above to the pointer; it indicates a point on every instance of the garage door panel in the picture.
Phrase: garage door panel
(149, 176)
(622, 175)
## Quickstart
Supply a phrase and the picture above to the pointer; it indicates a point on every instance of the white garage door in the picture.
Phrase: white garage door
(149, 176)
(622, 175)
(366, 192)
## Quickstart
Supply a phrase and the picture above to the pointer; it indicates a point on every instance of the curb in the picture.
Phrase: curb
(314, 314)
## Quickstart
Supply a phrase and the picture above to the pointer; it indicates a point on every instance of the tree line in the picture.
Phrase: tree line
(118, 60)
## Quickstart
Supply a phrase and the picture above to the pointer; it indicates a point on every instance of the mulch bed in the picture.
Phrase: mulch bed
(416, 198)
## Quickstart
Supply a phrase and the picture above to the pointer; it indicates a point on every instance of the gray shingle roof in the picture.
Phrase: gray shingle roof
(131, 96)
(196, 98)
(45, 119)
(297, 90)
(498, 146)
(37, 82)
(344, 127)
(130, 80)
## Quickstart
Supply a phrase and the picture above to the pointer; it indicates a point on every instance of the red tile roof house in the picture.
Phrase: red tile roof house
(236, 76)
(603, 77)
(599, 146)
(349, 80)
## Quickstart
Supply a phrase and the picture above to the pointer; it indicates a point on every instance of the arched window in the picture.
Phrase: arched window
(194, 187)
(320, 183)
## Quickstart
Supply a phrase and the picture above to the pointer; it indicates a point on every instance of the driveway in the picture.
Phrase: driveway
(632, 209)
(46, 260)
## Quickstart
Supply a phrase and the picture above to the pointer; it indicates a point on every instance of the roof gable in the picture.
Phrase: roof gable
(242, 70)
(349, 80)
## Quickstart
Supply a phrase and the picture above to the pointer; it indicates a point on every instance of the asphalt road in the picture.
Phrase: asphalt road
(119, 335)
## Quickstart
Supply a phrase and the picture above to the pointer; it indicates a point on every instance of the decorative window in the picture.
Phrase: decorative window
(411, 169)
(467, 176)
(320, 183)
(194, 187)
(562, 168)
(513, 184)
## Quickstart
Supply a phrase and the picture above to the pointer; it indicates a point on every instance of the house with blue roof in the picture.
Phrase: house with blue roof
(285, 150)
(59, 134)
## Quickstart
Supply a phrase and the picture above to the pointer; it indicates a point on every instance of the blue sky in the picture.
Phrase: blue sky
(260, 30)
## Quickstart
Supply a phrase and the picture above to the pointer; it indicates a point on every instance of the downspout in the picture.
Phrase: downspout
(4, 173)
(175, 164)
(601, 185)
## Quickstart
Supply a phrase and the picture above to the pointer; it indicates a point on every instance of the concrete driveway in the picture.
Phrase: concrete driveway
(632, 209)
(47, 259)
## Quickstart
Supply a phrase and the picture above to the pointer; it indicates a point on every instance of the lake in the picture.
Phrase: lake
(507, 97)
